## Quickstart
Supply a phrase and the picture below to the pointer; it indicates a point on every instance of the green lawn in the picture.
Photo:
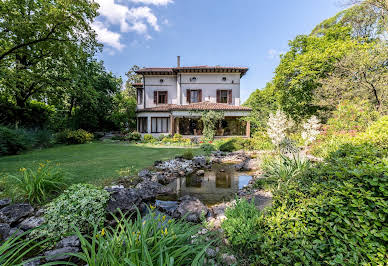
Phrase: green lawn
(90, 163)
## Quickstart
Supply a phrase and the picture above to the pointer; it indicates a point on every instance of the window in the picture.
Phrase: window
(224, 96)
(194, 96)
(160, 124)
(160, 97)
(142, 125)
(139, 96)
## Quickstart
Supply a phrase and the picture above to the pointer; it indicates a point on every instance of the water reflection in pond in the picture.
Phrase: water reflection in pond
(218, 185)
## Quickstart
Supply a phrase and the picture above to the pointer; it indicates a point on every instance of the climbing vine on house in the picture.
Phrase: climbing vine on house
(210, 121)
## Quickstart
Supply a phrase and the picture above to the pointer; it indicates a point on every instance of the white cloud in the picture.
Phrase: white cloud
(273, 53)
(106, 36)
(138, 19)
(154, 2)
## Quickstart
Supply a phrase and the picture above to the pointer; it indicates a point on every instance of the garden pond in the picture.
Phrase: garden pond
(219, 184)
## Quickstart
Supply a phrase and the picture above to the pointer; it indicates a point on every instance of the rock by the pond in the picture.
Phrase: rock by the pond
(166, 206)
(200, 172)
(70, 241)
(192, 207)
(148, 190)
(145, 173)
(228, 259)
(4, 202)
(210, 253)
(12, 213)
(40, 212)
(4, 231)
(32, 262)
(15, 232)
(125, 199)
(199, 161)
(59, 254)
(31, 223)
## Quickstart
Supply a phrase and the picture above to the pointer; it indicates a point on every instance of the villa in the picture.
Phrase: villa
(171, 100)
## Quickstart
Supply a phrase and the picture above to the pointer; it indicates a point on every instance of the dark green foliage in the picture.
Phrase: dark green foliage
(235, 144)
(148, 138)
(188, 155)
(241, 224)
(79, 136)
(334, 213)
(135, 136)
(207, 147)
(12, 141)
(33, 114)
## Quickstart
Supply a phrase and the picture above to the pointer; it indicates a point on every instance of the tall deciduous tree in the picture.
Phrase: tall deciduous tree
(132, 77)
(40, 42)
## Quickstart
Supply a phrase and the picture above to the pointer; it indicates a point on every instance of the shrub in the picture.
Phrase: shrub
(135, 136)
(81, 205)
(333, 213)
(377, 133)
(261, 141)
(152, 240)
(12, 141)
(43, 138)
(148, 138)
(235, 144)
(39, 185)
(207, 147)
(177, 137)
(188, 155)
(241, 224)
(78, 136)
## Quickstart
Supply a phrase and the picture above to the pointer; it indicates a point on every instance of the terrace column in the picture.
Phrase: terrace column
(248, 129)
(171, 131)
(177, 125)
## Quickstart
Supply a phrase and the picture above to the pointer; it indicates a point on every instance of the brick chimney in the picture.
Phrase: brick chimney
(178, 61)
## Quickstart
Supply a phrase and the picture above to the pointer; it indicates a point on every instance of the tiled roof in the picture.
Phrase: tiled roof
(173, 70)
(203, 106)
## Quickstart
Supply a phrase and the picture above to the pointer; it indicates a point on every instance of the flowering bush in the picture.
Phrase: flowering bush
(311, 129)
(38, 185)
(277, 126)
(82, 206)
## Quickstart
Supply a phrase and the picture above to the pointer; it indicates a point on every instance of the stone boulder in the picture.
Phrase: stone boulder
(60, 253)
(4, 231)
(125, 199)
(199, 162)
(148, 190)
(145, 173)
(70, 241)
(192, 208)
(168, 207)
(31, 223)
(4, 202)
(13, 213)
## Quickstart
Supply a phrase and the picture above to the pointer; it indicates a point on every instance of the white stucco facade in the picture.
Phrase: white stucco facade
(206, 82)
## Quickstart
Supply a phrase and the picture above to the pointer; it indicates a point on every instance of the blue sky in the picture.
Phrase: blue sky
(248, 33)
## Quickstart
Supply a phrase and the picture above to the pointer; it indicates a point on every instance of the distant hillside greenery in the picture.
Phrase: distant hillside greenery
(344, 58)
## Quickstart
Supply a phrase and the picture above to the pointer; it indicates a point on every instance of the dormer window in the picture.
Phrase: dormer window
(223, 78)
(161, 80)
(193, 79)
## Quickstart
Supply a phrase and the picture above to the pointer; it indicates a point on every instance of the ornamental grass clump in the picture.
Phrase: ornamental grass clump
(81, 205)
(151, 240)
(39, 185)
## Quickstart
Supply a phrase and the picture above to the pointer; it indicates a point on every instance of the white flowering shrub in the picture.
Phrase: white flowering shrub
(311, 129)
(277, 126)
(82, 205)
